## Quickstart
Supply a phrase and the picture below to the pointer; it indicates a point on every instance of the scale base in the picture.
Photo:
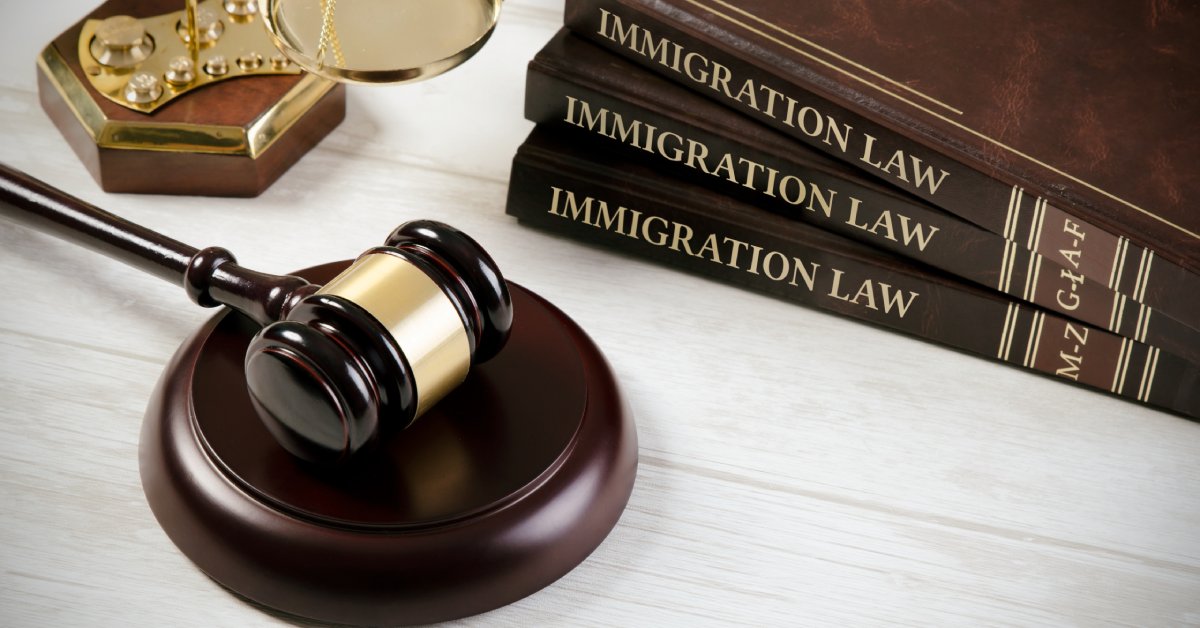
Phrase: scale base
(227, 139)
(500, 489)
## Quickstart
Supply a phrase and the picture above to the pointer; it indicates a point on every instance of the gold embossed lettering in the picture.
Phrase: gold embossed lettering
(673, 154)
(917, 231)
(710, 247)
(737, 246)
(924, 175)
(698, 75)
(682, 236)
(1072, 228)
(747, 95)
(657, 238)
(1073, 360)
(696, 154)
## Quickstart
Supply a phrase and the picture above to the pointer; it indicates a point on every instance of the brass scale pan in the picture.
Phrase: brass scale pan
(379, 41)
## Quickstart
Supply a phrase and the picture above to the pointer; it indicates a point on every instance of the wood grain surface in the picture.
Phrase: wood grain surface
(796, 468)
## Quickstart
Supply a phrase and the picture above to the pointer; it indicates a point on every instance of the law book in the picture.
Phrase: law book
(580, 88)
(1069, 128)
(577, 188)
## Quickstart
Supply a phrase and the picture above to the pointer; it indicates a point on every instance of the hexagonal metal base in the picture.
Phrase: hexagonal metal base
(228, 139)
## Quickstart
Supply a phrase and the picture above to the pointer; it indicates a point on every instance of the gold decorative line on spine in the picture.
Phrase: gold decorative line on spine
(1006, 266)
(1003, 265)
(1125, 367)
(1149, 380)
(1029, 342)
(1017, 211)
(1121, 356)
(835, 56)
(1008, 315)
(1037, 342)
(1016, 214)
(1153, 372)
(1037, 242)
(1141, 273)
(1112, 275)
(1037, 273)
(1029, 275)
(1035, 225)
(1012, 263)
(1035, 337)
(1144, 324)
(1118, 312)
(1012, 332)
(920, 107)
(1033, 221)
(1012, 199)
(1146, 276)
(1124, 247)
(1150, 357)
(1032, 274)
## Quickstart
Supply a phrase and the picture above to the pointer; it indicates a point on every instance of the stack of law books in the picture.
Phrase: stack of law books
(1015, 181)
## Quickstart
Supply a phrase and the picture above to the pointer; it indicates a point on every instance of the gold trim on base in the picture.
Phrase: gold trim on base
(250, 141)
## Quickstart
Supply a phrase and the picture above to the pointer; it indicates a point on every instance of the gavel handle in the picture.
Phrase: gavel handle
(210, 276)
(46, 208)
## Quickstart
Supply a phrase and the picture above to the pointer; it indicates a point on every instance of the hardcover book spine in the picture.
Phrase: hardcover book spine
(839, 204)
(635, 29)
(582, 202)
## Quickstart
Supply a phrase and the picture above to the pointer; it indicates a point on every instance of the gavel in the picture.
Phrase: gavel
(333, 366)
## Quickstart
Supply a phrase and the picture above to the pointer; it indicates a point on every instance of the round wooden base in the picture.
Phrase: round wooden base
(500, 489)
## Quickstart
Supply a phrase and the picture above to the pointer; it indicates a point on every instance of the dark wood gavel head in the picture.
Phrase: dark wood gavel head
(333, 365)
(379, 344)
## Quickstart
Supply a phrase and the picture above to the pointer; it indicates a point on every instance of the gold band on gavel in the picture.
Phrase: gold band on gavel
(419, 315)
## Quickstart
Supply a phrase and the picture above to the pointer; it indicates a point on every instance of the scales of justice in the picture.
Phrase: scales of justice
(405, 438)
(151, 95)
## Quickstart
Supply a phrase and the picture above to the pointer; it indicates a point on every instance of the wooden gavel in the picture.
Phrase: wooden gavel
(376, 346)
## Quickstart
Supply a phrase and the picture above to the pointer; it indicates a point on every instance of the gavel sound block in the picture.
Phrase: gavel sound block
(503, 486)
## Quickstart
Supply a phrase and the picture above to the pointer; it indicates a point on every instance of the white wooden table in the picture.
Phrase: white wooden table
(796, 467)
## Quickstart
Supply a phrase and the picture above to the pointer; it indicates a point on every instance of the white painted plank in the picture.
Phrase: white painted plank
(797, 468)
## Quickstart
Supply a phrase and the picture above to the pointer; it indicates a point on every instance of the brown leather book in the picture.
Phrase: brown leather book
(581, 88)
(1069, 128)
(577, 187)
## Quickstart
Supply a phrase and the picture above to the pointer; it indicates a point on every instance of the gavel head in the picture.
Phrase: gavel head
(380, 343)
